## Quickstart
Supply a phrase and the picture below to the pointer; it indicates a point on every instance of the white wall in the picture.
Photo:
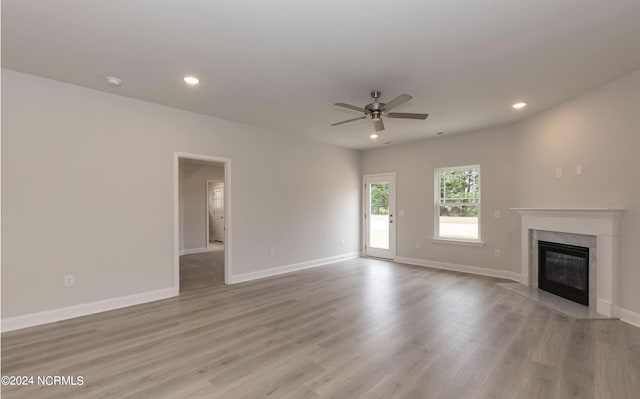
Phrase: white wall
(599, 130)
(87, 189)
(414, 164)
(193, 202)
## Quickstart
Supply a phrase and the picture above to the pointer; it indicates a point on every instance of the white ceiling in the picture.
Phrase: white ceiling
(281, 64)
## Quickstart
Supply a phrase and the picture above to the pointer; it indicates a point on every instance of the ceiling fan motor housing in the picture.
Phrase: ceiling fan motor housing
(376, 109)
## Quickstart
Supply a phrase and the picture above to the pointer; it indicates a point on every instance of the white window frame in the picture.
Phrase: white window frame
(437, 204)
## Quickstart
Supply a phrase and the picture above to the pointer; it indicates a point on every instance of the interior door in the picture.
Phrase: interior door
(218, 214)
(379, 220)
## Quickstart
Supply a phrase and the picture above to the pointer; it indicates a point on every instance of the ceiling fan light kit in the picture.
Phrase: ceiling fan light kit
(376, 110)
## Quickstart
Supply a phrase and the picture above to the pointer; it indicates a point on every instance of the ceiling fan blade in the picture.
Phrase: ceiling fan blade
(348, 120)
(378, 125)
(352, 107)
(405, 115)
(401, 99)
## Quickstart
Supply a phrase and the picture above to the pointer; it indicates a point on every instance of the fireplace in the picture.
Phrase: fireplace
(564, 270)
(599, 223)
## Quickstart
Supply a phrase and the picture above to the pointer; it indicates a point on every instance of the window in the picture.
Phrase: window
(457, 203)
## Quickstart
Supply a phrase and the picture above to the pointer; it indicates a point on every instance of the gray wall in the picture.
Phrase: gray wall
(193, 202)
(414, 164)
(92, 172)
(87, 189)
(599, 130)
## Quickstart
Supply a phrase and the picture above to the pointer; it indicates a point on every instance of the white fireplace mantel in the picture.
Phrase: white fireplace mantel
(599, 222)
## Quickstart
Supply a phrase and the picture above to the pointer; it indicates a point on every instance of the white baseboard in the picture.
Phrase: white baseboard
(482, 271)
(70, 312)
(193, 251)
(628, 316)
(274, 271)
(604, 307)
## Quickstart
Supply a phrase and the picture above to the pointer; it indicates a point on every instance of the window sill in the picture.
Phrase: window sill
(440, 240)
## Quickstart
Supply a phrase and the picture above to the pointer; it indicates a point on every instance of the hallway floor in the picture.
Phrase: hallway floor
(202, 270)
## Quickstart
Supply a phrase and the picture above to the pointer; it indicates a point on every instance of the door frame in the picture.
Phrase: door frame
(208, 210)
(177, 156)
(392, 211)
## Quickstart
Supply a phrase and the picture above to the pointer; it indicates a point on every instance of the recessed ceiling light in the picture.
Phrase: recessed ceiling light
(113, 81)
(440, 133)
(374, 136)
(519, 105)
(192, 80)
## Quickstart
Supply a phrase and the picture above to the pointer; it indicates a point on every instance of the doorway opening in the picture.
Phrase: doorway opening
(201, 221)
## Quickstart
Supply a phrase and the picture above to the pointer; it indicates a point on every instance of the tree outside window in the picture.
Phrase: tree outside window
(380, 198)
(458, 203)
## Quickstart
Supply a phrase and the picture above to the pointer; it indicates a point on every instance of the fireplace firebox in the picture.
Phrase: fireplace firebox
(564, 270)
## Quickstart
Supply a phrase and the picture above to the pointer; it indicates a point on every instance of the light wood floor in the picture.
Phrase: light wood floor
(357, 329)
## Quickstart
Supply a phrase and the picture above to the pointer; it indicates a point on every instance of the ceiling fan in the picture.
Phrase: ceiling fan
(377, 109)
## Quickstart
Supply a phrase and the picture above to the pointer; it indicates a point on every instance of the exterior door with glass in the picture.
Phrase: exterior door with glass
(379, 216)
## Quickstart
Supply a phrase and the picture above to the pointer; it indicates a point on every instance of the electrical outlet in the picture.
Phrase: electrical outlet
(417, 244)
(342, 243)
(401, 212)
(497, 253)
(69, 281)
(579, 170)
(496, 214)
(273, 252)
(559, 173)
